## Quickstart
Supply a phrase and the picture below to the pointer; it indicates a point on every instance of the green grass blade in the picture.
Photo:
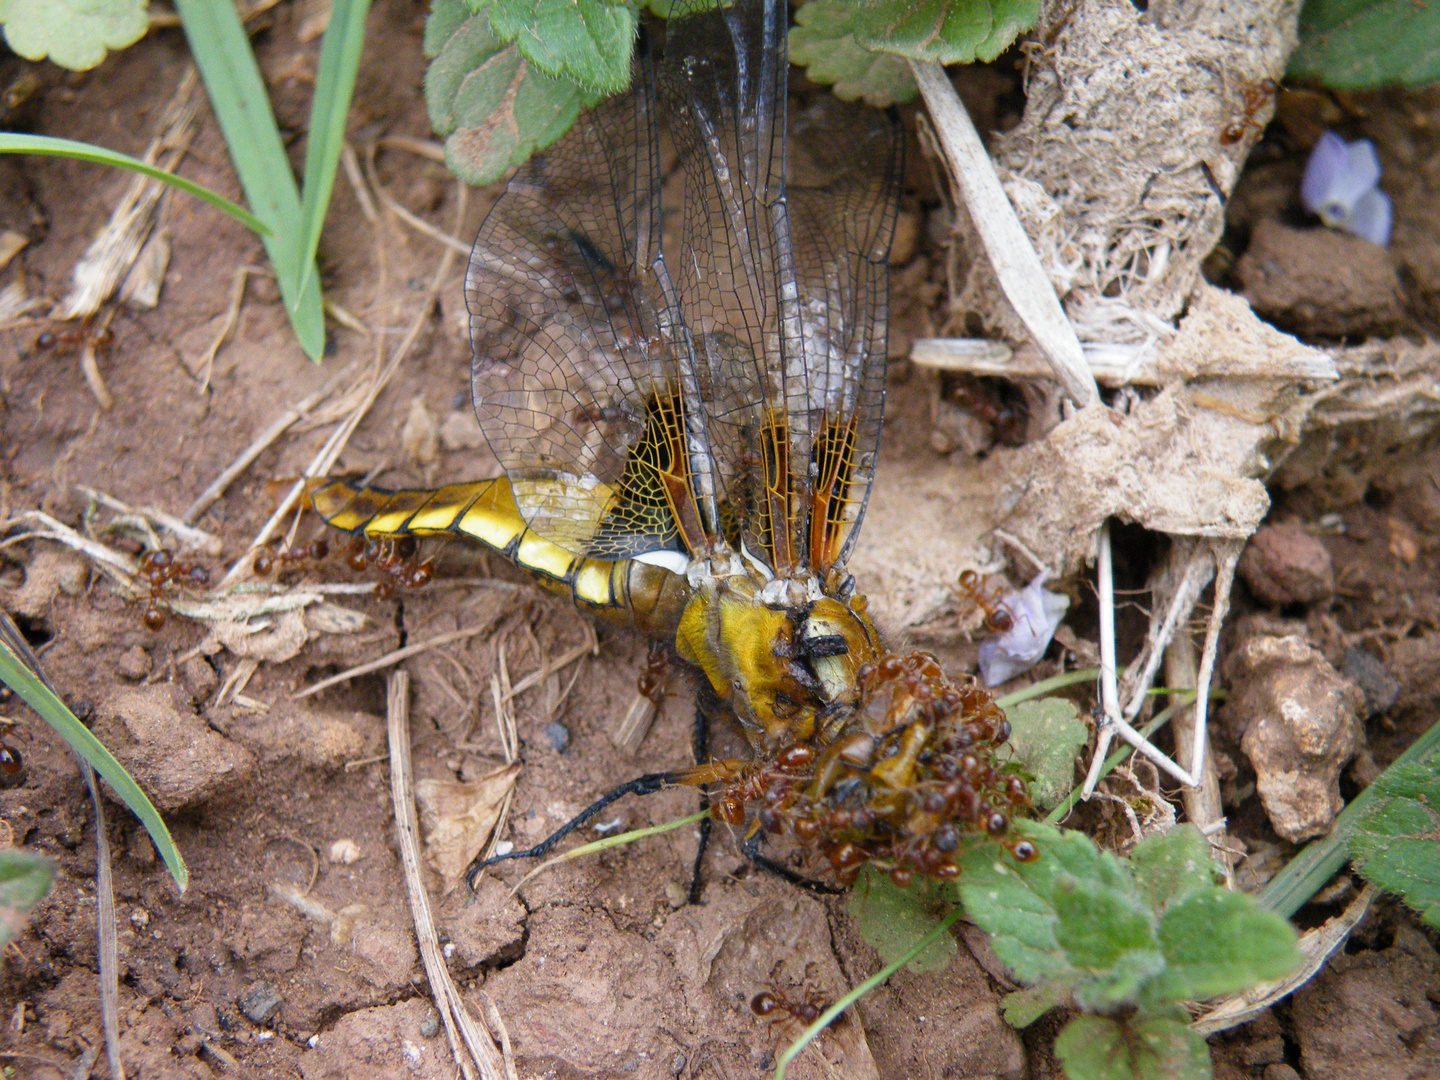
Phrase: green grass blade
(12, 142)
(334, 86)
(16, 672)
(237, 94)
(823, 1021)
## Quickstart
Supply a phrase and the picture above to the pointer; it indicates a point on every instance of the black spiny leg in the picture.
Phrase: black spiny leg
(641, 785)
(700, 743)
(751, 850)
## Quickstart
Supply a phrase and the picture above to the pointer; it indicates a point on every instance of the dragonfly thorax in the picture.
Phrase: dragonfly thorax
(781, 652)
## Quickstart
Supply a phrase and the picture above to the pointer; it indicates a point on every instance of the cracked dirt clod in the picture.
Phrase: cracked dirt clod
(1284, 564)
(1301, 724)
(1370, 1015)
(171, 752)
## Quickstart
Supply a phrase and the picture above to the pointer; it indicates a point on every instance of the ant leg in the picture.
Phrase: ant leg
(751, 850)
(642, 785)
(700, 744)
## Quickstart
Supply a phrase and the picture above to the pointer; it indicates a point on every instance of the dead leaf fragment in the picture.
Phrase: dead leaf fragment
(458, 819)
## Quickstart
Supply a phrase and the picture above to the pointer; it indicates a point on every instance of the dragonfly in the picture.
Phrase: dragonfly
(684, 383)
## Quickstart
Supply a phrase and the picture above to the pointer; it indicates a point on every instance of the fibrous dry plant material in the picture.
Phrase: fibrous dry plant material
(1136, 125)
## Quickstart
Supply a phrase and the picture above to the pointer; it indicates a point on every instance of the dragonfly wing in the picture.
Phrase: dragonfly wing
(569, 324)
(782, 282)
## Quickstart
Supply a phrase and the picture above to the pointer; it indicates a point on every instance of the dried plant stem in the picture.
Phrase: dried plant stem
(1016, 264)
(460, 1026)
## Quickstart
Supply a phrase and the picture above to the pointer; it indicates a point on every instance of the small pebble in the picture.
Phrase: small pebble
(1284, 564)
(1382, 688)
(134, 664)
(260, 1003)
(430, 1026)
(557, 735)
(344, 852)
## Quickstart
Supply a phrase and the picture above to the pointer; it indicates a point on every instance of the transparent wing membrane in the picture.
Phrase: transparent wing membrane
(729, 388)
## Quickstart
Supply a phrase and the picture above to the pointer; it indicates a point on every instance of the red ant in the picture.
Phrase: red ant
(74, 336)
(160, 568)
(998, 617)
(776, 1004)
(1256, 96)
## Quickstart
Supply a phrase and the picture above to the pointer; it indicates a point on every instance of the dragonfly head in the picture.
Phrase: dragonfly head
(780, 663)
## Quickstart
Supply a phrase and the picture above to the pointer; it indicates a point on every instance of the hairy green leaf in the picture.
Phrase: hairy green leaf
(75, 34)
(1357, 44)
(823, 43)
(1024, 1007)
(892, 920)
(1397, 843)
(1149, 932)
(24, 880)
(494, 108)
(1099, 1048)
(587, 41)
(946, 31)
(1170, 867)
(1047, 735)
(1218, 942)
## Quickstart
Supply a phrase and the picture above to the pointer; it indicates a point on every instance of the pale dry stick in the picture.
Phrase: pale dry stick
(1115, 722)
(108, 559)
(1158, 637)
(111, 253)
(426, 148)
(420, 225)
(1202, 803)
(261, 442)
(1016, 264)
(206, 363)
(1227, 555)
(351, 165)
(460, 1026)
(390, 659)
(90, 368)
(187, 533)
(546, 668)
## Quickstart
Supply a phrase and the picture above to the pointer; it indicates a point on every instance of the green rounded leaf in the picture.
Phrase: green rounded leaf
(1218, 942)
(1173, 865)
(587, 41)
(24, 880)
(822, 41)
(493, 106)
(1396, 844)
(892, 920)
(75, 34)
(1357, 44)
(1099, 1048)
(946, 31)
(1046, 735)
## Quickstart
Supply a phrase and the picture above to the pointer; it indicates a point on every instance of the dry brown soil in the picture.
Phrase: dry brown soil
(598, 969)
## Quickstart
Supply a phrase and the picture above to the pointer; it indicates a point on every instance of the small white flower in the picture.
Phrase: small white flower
(1341, 186)
(1035, 614)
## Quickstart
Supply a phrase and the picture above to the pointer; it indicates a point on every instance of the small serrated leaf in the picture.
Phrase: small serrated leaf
(24, 880)
(445, 19)
(1218, 942)
(892, 919)
(1170, 866)
(1024, 1007)
(588, 41)
(75, 34)
(1046, 735)
(1099, 1048)
(823, 43)
(946, 31)
(1359, 44)
(493, 106)
(1397, 843)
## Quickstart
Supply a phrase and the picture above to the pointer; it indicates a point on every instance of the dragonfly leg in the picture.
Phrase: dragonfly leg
(751, 850)
(700, 743)
(641, 785)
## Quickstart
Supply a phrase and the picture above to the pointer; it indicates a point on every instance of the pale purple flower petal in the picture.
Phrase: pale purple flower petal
(1340, 185)
(1370, 217)
(1035, 614)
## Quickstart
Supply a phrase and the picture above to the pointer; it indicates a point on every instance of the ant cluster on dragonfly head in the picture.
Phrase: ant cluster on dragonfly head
(910, 774)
